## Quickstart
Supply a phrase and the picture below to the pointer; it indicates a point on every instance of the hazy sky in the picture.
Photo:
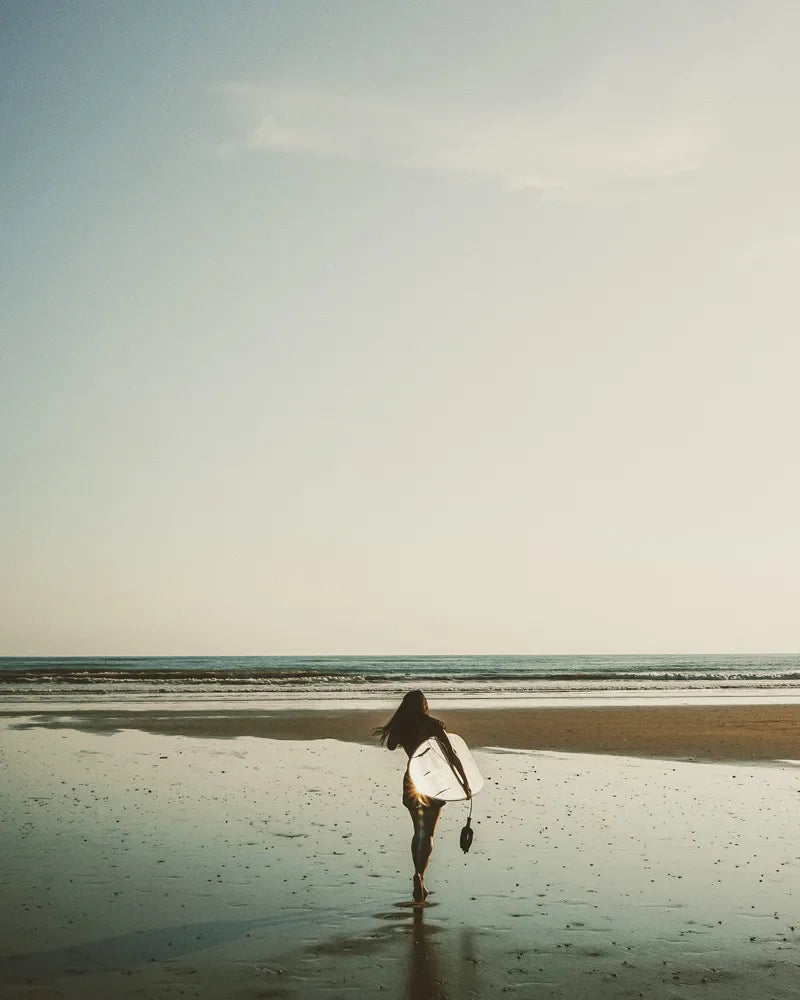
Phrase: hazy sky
(385, 327)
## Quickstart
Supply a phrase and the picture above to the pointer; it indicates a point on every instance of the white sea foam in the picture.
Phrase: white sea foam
(484, 679)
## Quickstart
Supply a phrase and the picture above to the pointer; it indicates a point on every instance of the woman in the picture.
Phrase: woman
(408, 727)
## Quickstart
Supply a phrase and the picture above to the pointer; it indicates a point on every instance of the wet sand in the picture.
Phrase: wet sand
(699, 732)
(148, 864)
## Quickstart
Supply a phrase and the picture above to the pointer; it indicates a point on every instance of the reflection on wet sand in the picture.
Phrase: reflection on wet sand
(424, 979)
(429, 976)
(122, 952)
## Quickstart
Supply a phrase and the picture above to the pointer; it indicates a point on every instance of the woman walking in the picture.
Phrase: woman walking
(408, 727)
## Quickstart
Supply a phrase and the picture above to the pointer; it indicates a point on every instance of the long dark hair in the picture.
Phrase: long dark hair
(405, 720)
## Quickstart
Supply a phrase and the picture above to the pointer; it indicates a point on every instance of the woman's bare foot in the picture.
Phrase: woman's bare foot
(420, 892)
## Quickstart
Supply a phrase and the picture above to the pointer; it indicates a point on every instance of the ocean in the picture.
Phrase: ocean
(282, 678)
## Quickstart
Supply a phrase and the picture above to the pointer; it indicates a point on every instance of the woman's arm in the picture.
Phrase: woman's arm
(453, 761)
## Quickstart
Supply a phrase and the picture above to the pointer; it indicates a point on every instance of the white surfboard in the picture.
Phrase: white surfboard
(433, 776)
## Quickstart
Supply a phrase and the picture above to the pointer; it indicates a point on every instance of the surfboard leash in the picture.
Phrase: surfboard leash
(467, 833)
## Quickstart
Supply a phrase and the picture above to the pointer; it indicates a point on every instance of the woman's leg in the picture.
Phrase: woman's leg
(424, 819)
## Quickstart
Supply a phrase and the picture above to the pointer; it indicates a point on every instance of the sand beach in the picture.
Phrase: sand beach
(233, 853)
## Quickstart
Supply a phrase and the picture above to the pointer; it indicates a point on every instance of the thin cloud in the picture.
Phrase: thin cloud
(596, 143)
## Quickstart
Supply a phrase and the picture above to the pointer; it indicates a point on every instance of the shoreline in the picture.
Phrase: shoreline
(752, 732)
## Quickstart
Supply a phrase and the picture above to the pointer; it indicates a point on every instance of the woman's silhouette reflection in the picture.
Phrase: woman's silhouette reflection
(424, 979)
(427, 979)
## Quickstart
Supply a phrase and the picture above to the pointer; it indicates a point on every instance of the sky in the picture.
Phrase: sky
(399, 328)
